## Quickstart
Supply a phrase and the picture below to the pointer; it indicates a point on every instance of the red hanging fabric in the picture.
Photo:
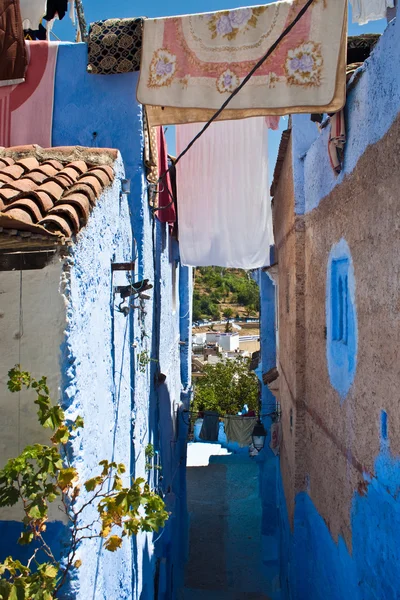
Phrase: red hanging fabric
(165, 189)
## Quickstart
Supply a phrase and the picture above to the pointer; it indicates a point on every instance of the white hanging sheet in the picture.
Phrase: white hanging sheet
(224, 209)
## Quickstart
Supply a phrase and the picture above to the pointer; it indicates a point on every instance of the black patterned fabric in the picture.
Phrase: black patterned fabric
(115, 46)
(56, 7)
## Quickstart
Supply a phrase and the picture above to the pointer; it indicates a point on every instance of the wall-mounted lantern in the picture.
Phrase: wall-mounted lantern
(259, 436)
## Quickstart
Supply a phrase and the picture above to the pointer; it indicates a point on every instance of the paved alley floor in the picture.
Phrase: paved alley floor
(225, 554)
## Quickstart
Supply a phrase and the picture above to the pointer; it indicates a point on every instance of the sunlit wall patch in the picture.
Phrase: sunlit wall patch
(341, 319)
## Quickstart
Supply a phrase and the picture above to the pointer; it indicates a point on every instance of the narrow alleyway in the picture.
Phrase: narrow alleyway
(225, 548)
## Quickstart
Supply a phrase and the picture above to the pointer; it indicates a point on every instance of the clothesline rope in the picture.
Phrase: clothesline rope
(225, 416)
(262, 60)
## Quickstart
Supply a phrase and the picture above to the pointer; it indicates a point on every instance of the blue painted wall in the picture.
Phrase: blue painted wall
(341, 319)
(371, 107)
(267, 335)
(313, 564)
(124, 406)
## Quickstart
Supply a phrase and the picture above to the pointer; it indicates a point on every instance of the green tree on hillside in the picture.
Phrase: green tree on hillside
(226, 387)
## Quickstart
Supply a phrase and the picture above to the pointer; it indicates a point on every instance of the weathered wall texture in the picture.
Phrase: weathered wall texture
(110, 363)
(32, 322)
(287, 233)
(164, 320)
(346, 513)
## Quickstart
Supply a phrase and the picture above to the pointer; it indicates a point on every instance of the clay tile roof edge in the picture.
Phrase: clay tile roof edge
(92, 156)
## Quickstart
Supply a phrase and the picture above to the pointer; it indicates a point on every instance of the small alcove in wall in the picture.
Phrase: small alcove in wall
(341, 319)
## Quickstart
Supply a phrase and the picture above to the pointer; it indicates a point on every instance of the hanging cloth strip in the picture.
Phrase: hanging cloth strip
(239, 429)
(369, 10)
(26, 110)
(56, 9)
(224, 208)
(191, 64)
(32, 12)
(210, 427)
(115, 46)
(156, 161)
(13, 57)
(337, 140)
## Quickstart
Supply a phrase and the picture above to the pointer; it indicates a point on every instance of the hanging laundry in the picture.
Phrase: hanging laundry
(72, 11)
(369, 10)
(115, 46)
(210, 428)
(56, 9)
(272, 122)
(224, 207)
(37, 34)
(32, 13)
(191, 64)
(239, 429)
(26, 110)
(337, 140)
(165, 196)
(13, 58)
(161, 194)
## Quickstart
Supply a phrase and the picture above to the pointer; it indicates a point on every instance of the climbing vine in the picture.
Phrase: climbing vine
(43, 474)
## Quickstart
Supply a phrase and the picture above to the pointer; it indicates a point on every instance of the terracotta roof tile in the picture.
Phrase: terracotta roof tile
(54, 223)
(37, 176)
(4, 178)
(86, 190)
(92, 182)
(28, 205)
(79, 165)
(28, 164)
(5, 161)
(22, 185)
(51, 191)
(67, 212)
(6, 193)
(14, 171)
(80, 202)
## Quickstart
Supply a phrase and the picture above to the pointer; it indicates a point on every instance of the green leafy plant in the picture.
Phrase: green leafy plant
(150, 453)
(43, 474)
(143, 360)
(226, 387)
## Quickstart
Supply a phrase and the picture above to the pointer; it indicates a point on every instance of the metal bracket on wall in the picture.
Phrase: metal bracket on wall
(133, 289)
(128, 266)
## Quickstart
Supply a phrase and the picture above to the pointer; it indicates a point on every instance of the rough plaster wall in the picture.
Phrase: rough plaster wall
(267, 335)
(370, 193)
(32, 322)
(285, 243)
(371, 107)
(116, 122)
(348, 520)
(96, 371)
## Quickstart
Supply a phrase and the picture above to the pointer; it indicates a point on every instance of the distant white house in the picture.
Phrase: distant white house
(229, 342)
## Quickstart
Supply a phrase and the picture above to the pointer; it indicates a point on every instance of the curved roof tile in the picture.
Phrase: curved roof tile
(52, 191)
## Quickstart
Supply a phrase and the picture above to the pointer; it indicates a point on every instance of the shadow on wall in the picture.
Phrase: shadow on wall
(314, 566)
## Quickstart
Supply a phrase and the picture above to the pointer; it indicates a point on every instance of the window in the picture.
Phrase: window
(341, 319)
(339, 298)
(384, 427)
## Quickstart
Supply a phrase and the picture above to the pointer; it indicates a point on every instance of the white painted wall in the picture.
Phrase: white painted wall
(32, 323)
(229, 341)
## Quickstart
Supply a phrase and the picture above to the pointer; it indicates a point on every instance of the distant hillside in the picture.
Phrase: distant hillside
(222, 292)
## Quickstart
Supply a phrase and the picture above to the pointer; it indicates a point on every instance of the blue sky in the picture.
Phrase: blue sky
(96, 10)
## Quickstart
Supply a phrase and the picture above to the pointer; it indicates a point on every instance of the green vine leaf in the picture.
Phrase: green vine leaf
(91, 484)
(39, 476)
(66, 478)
